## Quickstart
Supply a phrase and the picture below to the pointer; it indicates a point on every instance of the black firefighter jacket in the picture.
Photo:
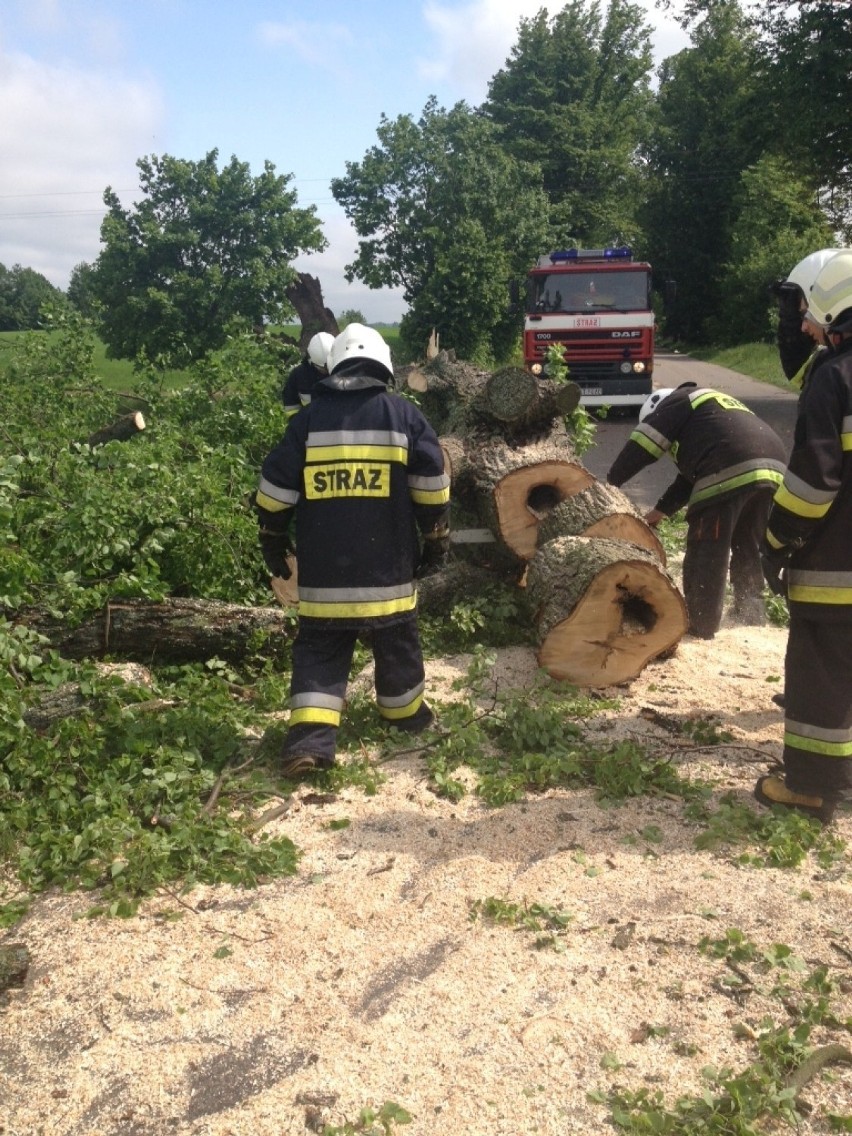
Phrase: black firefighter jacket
(812, 510)
(363, 471)
(718, 445)
(299, 387)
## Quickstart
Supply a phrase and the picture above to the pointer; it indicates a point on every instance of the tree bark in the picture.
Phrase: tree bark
(603, 610)
(305, 294)
(515, 396)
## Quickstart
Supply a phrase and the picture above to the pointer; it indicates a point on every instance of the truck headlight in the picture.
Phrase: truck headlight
(536, 368)
(639, 367)
(625, 368)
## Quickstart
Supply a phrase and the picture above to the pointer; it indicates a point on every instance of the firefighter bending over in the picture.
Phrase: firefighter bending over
(361, 471)
(305, 376)
(808, 558)
(729, 465)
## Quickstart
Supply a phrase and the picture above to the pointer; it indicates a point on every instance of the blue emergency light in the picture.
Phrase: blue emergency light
(621, 253)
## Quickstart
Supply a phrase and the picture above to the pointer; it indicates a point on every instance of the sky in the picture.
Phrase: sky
(89, 86)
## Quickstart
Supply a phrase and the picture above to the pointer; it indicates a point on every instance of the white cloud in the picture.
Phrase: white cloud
(312, 41)
(65, 135)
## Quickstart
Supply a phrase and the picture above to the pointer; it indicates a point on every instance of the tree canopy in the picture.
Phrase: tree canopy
(446, 212)
(574, 96)
(203, 248)
(23, 294)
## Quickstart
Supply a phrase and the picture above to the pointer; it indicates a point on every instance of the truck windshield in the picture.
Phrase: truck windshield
(588, 291)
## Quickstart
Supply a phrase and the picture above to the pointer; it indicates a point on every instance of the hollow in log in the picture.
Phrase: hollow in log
(603, 610)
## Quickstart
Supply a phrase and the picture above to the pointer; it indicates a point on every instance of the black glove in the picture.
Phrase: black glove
(774, 563)
(275, 546)
(434, 555)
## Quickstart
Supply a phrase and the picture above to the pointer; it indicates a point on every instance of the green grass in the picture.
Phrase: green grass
(757, 360)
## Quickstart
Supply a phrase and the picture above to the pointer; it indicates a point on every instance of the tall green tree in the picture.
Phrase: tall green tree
(23, 295)
(442, 210)
(79, 291)
(575, 96)
(778, 222)
(203, 248)
(712, 125)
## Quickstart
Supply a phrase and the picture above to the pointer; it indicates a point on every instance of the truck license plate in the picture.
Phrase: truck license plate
(592, 390)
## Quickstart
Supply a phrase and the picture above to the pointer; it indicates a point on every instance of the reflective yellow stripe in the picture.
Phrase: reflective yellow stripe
(798, 505)
(813, 745)
(357, 453)
(357, 610)
(735, 482)
(846, 442)
(395, 713)
(645, 442)
(772, 541)
(315, 714)
(808, 593)
(270, 503)
(434, 497)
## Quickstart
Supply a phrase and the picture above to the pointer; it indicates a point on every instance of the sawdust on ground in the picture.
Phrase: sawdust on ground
(364, 980)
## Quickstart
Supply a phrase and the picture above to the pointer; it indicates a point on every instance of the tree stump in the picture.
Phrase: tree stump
(603, 609)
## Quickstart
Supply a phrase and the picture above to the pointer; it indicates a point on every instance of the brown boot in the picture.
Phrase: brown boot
(772, 791)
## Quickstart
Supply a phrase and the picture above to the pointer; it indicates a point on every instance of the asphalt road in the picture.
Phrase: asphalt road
(772, 404)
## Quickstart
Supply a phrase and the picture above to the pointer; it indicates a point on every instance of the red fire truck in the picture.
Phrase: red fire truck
(596, 303)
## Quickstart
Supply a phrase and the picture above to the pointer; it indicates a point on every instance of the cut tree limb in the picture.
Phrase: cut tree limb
(603, 609)
(124, 428)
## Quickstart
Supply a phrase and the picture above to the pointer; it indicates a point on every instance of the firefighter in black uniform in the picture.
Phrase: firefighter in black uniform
(809, 558)
(305, 376)
(363, 474)
(729, 465)
(801, 341)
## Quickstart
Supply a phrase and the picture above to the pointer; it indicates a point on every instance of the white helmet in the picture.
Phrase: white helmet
(653, 401)
(807, 270)
(318, 348)
(831, 291)
(359, 342)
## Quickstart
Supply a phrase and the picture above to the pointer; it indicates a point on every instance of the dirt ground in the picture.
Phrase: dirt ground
(364, 979)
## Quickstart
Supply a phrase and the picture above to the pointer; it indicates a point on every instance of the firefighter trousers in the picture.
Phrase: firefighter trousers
(322, 658)
(722, 536)
(818, 704)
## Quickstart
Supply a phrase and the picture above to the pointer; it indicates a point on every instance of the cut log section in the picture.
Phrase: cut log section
(603, 610)
(517, 489)
(602, 511)
(121, 430)
(515, 396)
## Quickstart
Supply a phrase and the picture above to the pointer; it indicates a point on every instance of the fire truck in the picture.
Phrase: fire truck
(596, 303)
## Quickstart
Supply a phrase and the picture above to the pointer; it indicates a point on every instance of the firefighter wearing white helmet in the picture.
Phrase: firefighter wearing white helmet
(304, 377)
(801, 342)
(729, 464)
(362, 473)
(653, 401)
(808, 558)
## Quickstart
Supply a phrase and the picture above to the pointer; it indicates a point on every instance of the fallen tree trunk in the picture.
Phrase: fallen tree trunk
(603, 609)
(173, 631)
(515, 396)
(193, 630)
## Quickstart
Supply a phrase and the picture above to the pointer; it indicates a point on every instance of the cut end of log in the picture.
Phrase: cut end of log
(527, 495)
(287, 591)
(629, 615)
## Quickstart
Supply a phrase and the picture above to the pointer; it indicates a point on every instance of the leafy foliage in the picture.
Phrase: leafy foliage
(445, 212)
(203, 248)
(23, 294)
(574, 96)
